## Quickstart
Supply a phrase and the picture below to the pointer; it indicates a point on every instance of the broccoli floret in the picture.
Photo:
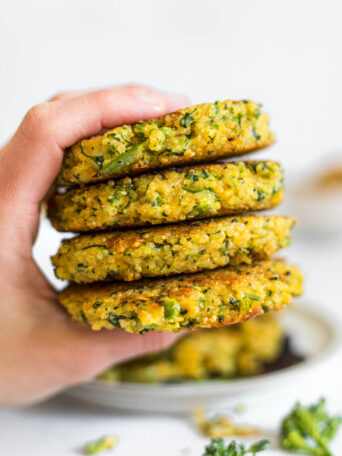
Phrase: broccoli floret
(309, 430)
(217, 447)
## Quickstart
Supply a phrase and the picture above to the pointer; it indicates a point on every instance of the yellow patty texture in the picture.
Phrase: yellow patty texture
(231, 351)
(204, 300)
(175, 249)
(170, 196)
(203, 132)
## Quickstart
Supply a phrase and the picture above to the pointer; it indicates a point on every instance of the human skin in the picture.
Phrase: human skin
(41, 350)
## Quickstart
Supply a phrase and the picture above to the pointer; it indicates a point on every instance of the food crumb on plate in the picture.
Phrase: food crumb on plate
(221, 426)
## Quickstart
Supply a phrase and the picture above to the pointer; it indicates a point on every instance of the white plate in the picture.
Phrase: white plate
(311, 335)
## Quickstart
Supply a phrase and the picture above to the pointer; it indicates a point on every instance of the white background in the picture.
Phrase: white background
(285, 54)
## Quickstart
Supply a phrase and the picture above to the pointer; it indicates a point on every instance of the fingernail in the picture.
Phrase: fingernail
(150, 98)
(180, 100)
(157, 105)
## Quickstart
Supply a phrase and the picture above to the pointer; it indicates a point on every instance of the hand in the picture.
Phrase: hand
(41, 350)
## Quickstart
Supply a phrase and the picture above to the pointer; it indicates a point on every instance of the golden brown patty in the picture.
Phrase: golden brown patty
(170, 196)
(203, 132)
(205, 300)
(236, 350)
(175, 249)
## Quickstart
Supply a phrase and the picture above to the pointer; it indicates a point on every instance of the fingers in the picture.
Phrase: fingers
(95, 351)
(47, 352)
(178, 100)
(31, 160)
(139, 345)
(82, 116)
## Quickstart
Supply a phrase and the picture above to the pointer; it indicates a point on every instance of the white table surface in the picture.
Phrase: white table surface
(60, 426)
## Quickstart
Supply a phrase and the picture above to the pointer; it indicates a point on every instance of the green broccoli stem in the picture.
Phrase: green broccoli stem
(309, 430)
(123, 160)
(307, 424)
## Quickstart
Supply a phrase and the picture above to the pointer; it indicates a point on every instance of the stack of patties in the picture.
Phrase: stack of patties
(139, 268)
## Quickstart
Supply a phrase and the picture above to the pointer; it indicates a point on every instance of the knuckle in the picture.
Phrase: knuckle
(36, 120)
(37, 116)
(103, 95)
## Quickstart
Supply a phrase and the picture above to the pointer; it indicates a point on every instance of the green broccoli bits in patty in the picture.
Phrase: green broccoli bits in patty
(172, 195)
(204, 132)
(205, 300)
(173, 249)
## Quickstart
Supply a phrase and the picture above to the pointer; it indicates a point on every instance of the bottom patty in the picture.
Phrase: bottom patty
(237, 350)
(205, 300)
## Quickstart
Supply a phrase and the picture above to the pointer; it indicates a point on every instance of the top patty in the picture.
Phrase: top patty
(172, 195)
(203, 132)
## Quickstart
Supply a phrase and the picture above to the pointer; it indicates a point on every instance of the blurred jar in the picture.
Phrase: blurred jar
(316, 198)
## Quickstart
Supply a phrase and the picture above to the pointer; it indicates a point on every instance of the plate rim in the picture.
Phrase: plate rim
(301, 307)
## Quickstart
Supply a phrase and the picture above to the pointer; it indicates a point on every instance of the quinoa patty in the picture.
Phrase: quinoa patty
(203, 132)
(184, 248)
(205, 300)
(170, 196)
